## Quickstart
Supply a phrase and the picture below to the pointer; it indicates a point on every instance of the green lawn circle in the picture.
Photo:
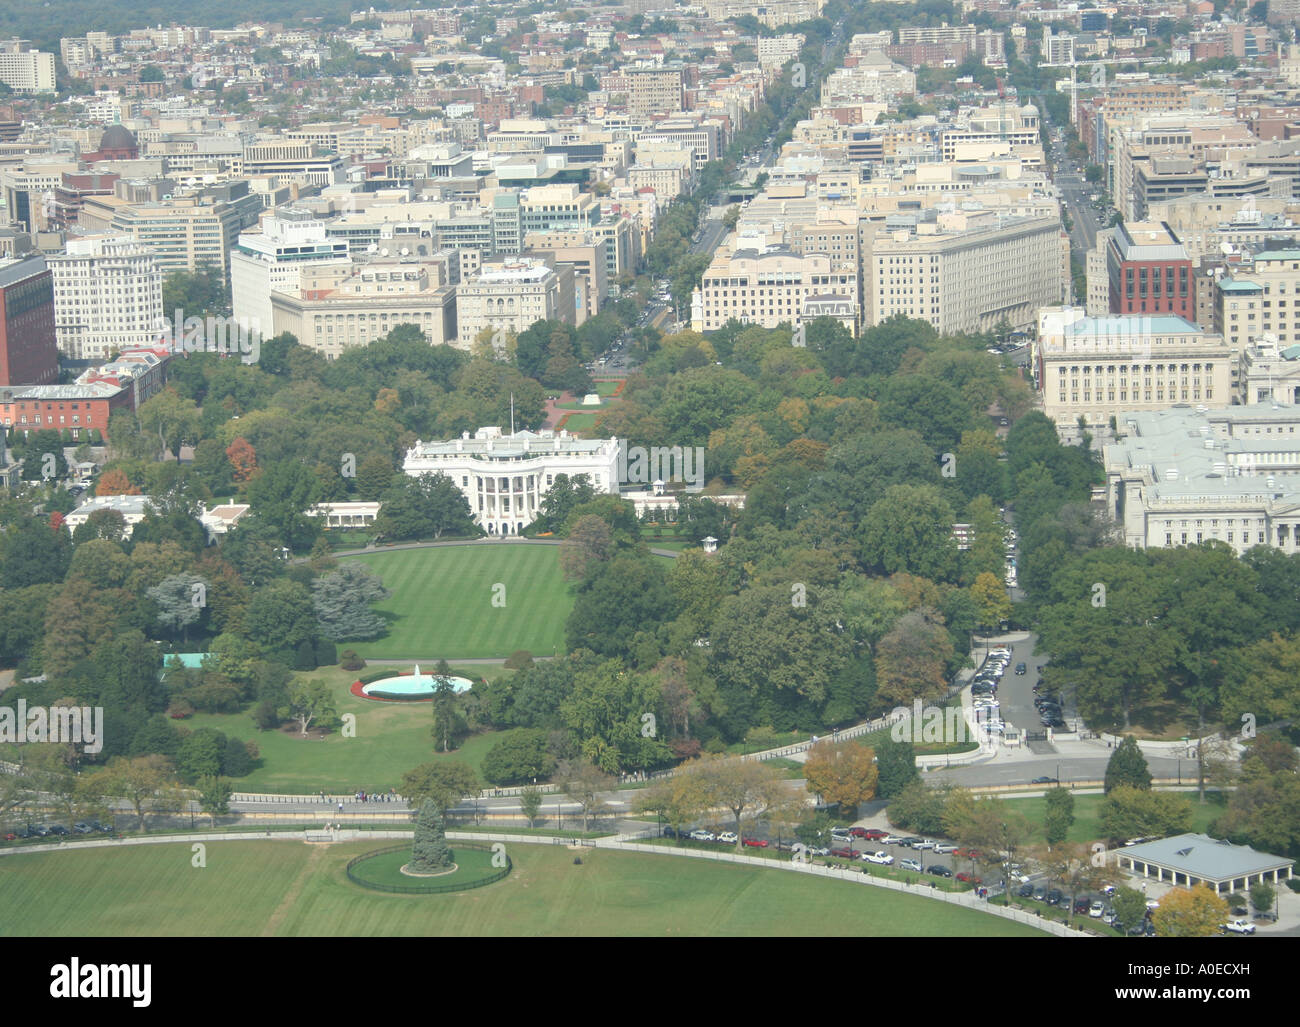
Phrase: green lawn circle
(382, 871)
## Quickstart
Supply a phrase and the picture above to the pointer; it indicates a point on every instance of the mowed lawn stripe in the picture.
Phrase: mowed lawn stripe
(153, 890)
(442, 602)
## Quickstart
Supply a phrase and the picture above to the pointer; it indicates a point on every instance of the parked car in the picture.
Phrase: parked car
(1040, 893)
(857, 832)
(882, 858)
(82, 828)
(1097, 909)
(840, 834)
(11, 837)
(909, 842)
(890, 839)
(41, 831)
(1055, 897)
(874, 834)
(969, 878)
(844, 852)
(1026, 890)
(910, 864)
(938, 870)
(754, 843)
(923, 844)
(59, 829)
(701, 835)
(728, 837)
(1108, 916)
(943, 848)
(1239, 925)
(1081, 904)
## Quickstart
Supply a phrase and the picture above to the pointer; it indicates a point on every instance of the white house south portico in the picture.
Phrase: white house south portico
(504, 477)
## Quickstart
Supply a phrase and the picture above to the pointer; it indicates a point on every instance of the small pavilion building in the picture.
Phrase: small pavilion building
(1192, 859)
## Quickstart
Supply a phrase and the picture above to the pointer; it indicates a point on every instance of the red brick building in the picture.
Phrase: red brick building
(1150, 272)
(28, 354)
(76, 408)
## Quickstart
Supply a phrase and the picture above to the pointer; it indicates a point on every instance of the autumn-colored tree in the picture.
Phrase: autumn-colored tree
(842, 772)
(115, 483)
(56, 521)
(243, 460)
(1190, 913)
(387, 400)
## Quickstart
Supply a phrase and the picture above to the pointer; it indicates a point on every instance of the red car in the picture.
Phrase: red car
(874, 834)
(11, 837)
(754, 843)
(845, 853)
(965, 853)
(970, 878)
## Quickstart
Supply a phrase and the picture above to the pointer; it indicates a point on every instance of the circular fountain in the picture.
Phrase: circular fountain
(412, 687)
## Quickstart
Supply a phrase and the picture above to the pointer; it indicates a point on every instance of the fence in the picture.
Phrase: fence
(429, 889)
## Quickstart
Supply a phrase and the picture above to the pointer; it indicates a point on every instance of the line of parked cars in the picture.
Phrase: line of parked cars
(59, 830)
(984, 689)
(701, 834)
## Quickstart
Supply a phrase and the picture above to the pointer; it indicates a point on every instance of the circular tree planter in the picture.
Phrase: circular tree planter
(383, 870)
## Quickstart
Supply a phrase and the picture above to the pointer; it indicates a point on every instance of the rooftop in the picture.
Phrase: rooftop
(1204, 857)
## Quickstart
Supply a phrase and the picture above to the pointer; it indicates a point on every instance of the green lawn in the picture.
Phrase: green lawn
(391, 738)
(580, 422)
(286, 888)
(442, 603)
(1087, 808)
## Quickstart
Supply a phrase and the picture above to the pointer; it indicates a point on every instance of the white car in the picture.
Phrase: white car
(1097, 910)
(889, 839)
(701, 835)
(883, 858)
(729, 837)
(1240, 925)
(840, 834)
(924, 843)
(910, 864)
(944, 847)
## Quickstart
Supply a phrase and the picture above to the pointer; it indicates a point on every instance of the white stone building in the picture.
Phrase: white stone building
(107, 296)
(504, 477)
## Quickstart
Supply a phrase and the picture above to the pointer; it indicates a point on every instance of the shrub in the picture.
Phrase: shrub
(180, 709)
(349, 660)
(235, 761)
(327, 654)
(305, 657)
(265, 716)
(214, 697)
(519, 659)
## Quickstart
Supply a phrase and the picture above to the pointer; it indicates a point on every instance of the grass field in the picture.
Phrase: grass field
(1087, 808)
(286, 888)
(391, 738)
(580, 422)
(442, 603)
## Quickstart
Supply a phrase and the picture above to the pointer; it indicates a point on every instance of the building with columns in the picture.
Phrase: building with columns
(1186, 860)
(504, 477)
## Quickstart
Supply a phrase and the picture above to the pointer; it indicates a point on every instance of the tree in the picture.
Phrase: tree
(530, 804)
(910, 529)
(912, 660)
(311, 701)
(430, 853)
(742, 786)
(992, 604)
(1127, 767)
(142, 782)
(341, 601)
(1190, 913)
(445, 782)
(896, 763)
(214, 796)
(589, 541)
(280, 616)
(444, 706)
(114, 482)
(243, 461)
(1262, 896)
(1130, 907)
(680, 798)
(181, 600)
(1129, 812)
(423, 507)
(518, 756)
(173, 419)
(1059, 814)
(843, 773)
(584, 783)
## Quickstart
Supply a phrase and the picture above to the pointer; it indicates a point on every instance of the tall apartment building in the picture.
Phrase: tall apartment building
(188, 231)
(1103, 367)
(774, 287)
(511, 295)
(273, 260)
(107, 297)
(966, 272)
(505, 477)
(28, 353)
(655, 91)
(24, 70)
(1149, 271)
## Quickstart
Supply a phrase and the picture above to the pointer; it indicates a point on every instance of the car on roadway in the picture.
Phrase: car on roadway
(910, 864)
(1044, 781)
(701, 835)
(1239, 925)
(881, 858)
(1021, 669)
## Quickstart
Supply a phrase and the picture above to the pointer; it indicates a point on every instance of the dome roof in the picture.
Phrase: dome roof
(117, 137)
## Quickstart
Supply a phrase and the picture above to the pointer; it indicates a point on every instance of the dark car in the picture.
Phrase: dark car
(1055, 897)
(1081, 904)
(59, 829)
(939, 870)
(1040, 893)
(1044, 781)
(1021, 668)
(669, 833)
(104, 828)
(81, 827)
(41, 831)
(1025, 891)
(909, 841)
